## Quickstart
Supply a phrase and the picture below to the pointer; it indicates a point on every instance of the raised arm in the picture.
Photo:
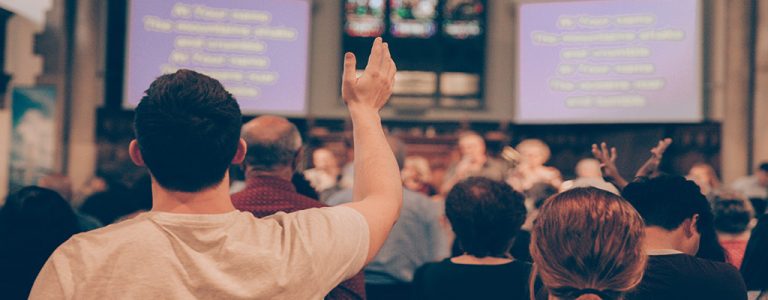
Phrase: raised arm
(607, 158)
(651, 166)
(377, 189)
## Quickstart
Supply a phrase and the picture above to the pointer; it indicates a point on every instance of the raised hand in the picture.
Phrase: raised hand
(374, 87)
(651, 167)
(607, 160)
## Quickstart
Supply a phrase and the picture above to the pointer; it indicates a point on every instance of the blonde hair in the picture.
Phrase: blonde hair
(421, 166)
(586, 244)
(535, 143)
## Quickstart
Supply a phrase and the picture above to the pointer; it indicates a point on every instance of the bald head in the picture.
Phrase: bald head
(272, 143)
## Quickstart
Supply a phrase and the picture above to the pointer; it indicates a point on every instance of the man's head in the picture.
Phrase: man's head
(273, 145)
(485, 215)
(733, 213)
(673, 204)
(534, 152)
(187, 130)
(588, 168)
(762, 174)
(472, 145)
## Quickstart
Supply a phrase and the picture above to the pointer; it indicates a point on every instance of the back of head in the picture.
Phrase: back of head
(666, 201)
(273, 142)
(763, 167)
(485, 215)
(586, 244)
(33, 222)
(733, 213)
(187, 127)
(58, 183)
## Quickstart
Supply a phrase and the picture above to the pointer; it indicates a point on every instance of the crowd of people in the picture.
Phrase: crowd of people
(379, 227)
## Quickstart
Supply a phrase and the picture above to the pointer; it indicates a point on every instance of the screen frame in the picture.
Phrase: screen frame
(304, 112)
(701, 68)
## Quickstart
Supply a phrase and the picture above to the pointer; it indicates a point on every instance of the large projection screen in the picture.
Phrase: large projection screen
(609, 61)
(257, 49)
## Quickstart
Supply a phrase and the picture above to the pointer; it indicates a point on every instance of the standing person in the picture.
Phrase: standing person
(474, 162)
(33, 222)
(676, 217)
(755, 187)
(194, 243)
(274, 145)
(531, 169)
(587, 244)
(486, 216)
(417, 238)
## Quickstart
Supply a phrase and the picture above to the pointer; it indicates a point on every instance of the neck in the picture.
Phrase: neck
(283, 173)
(743, 236)
(468, 259)
(657, 238)
(213, 200)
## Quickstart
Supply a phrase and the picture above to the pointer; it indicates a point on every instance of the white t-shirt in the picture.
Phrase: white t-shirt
(302, 255)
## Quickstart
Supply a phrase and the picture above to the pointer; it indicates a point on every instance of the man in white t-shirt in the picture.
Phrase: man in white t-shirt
(194, 244)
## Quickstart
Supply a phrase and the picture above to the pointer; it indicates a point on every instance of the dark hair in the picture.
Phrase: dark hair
(732, 213)
(33, 222)
(666, 201)
(754, 268)
(763, 167)
(187, 126)
(485, 215)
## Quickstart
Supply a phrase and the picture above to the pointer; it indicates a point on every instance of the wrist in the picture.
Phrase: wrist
(362, 111)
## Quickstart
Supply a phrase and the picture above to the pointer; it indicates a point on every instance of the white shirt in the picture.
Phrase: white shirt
(302, 255)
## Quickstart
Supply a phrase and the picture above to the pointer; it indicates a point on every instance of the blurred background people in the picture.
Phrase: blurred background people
(588, 174)
(417, 175)
(734, 219)
(474, 162)
(706, 178)
(325, 171)
(531, 169)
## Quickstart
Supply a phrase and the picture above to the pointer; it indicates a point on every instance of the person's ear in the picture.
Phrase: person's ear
(135, 153)
(298, 159)
(690, 226)
(242, 148)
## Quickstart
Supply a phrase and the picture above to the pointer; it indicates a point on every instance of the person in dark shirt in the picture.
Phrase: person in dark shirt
(754, 268)
(587, 244)
(675, 212)
(273, 146)
(486, 216)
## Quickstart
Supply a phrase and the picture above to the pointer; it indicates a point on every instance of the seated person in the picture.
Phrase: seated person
(589, 174)
(675, 214)
(705, 177)
(417, 175)
(587, 244)
(485, 216)
(755, 186)
(194, 244)
(754, 268)
(418, 237)
(734, 219)
(33, 222)
(531, 169)
(474, 162)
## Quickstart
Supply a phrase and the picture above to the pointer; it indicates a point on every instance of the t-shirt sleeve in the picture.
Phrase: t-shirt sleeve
(48, 284)
(335, 239)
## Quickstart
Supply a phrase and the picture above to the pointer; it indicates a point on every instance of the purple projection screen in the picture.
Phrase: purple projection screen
(257, 49)
(617, 61)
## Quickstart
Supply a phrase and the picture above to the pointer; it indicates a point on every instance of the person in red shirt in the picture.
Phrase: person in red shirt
(274, 145)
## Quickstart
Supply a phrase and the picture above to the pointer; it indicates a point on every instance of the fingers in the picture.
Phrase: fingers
(386, 66)
(350, 67)
(614, 155)
(604, 149)
(374, 60)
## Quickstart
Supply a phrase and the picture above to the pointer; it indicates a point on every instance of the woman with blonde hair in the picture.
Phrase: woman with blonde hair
(586, 245)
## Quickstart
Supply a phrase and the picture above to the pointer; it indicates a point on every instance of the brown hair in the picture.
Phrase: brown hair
(586, 244)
